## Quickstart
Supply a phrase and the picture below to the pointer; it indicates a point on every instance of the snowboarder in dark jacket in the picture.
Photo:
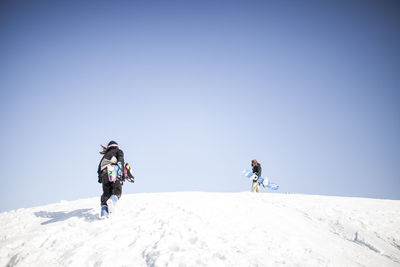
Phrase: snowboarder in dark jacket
(256, 173)
(112, 190)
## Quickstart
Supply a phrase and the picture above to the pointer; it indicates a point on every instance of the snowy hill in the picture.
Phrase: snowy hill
(206, 229)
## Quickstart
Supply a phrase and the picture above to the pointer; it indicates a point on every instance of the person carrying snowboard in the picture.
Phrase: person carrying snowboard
(256, 173)
(111, 175)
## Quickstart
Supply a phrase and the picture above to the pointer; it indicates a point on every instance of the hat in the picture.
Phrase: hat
(112, 144)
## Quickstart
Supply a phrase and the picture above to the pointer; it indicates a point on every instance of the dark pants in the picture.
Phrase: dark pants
(110, 188)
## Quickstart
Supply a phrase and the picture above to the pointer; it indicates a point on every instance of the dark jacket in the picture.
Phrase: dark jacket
(112, 156)
(257, 169)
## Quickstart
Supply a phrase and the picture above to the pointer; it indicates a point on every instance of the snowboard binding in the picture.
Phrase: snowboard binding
(129, 173)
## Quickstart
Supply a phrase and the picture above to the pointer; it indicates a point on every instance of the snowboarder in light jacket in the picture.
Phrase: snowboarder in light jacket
(256, 173)
(112, 190)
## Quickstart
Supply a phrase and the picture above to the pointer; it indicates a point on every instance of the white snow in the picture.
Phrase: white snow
(205, 229)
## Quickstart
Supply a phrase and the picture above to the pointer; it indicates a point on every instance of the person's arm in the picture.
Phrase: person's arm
(99, 171)
(258, 170)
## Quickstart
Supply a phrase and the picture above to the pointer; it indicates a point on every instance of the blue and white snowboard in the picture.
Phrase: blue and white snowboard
(265, 182)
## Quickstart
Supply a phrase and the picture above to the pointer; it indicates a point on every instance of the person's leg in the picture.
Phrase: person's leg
(253, 187)
(116, 194)
(107, 190)
(117, 188)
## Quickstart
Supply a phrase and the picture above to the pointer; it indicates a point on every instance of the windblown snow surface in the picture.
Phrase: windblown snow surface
(205, 229)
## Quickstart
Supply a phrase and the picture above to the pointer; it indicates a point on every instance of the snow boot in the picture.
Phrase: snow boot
(111, 203)
(104, 212)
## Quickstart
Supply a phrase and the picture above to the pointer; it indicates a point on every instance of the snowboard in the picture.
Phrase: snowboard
(115, 172)
(264, 181)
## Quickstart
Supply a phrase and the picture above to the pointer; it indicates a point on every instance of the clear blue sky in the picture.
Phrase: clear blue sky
(193, 90)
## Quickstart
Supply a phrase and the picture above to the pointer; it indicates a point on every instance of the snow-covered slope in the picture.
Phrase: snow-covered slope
(206, 229)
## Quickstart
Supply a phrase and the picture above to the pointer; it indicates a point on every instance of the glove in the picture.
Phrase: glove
(255, 178)
(99, 179)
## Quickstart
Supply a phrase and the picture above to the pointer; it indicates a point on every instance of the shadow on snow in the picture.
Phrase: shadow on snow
(59, 216)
